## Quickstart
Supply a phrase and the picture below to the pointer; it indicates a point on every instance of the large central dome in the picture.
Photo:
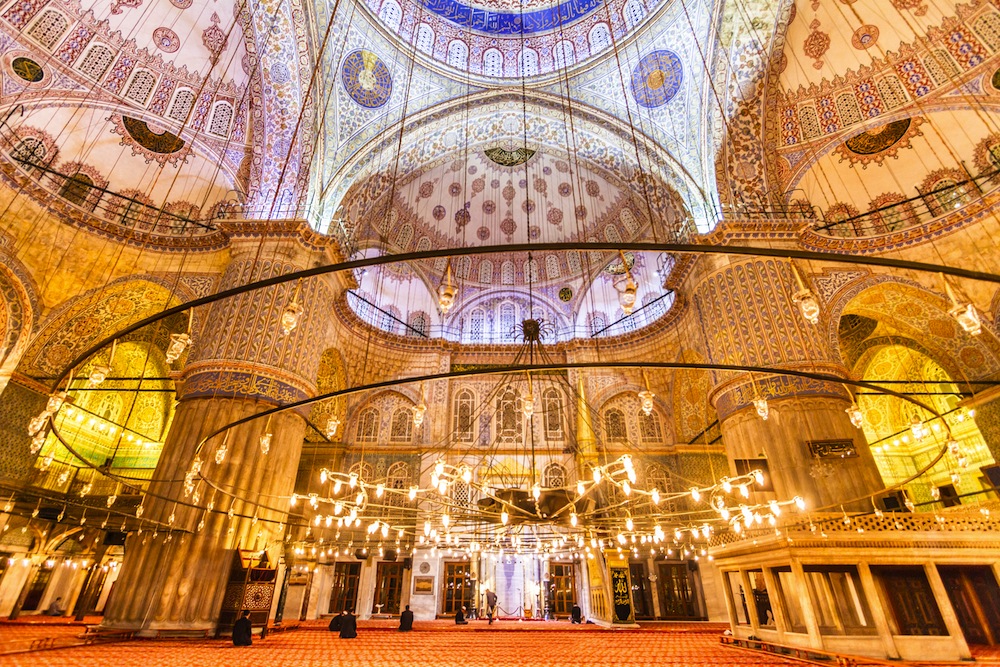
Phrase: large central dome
(510, 39)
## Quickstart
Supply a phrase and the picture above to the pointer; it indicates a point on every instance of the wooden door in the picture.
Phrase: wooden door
(344, 593)
(911, 601)
(975, 597)
(37, 589)
(562, 589)
(677, 595)
(642, 593)
(388, 588)
(458, 587)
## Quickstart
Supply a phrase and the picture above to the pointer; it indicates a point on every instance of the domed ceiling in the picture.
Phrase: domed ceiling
(509, 38)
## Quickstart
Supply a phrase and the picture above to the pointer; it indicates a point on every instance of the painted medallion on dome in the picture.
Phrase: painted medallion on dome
(996, 79)
(27, 69)
(657, 78)
(366, 79)
(878, 139)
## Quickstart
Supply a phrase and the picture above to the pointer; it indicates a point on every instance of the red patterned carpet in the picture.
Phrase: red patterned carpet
(460, 647)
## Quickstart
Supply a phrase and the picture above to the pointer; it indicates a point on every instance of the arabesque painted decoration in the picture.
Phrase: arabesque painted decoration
(657, 78)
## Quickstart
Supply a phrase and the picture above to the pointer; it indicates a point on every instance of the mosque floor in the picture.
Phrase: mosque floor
(436, 644)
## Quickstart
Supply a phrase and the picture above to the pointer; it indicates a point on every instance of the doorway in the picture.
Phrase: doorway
(37, 588)
(642, 592)
(562, 589)
(975, 596)
(678, 593)
(458, 586)
(388, 588)
(911, 601)
(344, 594)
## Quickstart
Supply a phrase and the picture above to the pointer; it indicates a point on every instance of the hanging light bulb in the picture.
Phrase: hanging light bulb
(917, 428)
(955, 478)
(655, 496)
(332, 424)
(629, 524)
(38, 441)
(572, 519)
(857, 418)
(760, 404)
(963, 312)
(418, 414)
(178, 343)
(695, 495)
(799, 502)
(439, 467)
(536, 491)
(954, 448)
(265, 438)
(337, 486)
(504, 517)
(98, 374)
(805, 299)
(935, 493)
(446, 292)
(580, 488)
(379, 490)
(37, 423)
(597, 475)
(626, 296)
(352, 480)
(466, 475)
(626, 488)
(220, 453)
(445, 520)
(290, 317)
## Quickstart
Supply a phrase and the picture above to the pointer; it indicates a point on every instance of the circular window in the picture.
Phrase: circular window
(27, 69)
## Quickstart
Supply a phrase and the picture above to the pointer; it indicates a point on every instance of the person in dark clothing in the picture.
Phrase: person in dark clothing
(349, 626)
(337, 621)
(491, 605)
(243, 631)
(460, 617)
(576, 615)
(406, 620)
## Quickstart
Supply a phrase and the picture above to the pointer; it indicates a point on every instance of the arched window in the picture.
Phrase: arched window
(418, 324)
(597, 324)
(554, 476)
(553, 408)
(465, 405)
(77, 188)
(508, 317)
(461, 495)
(507, 273)
(29, 152)
(425, 38)
(563, 54)
(458, 54)
(947, 195)
(486, 272)
(181, 107)
(508, 417)
(649, 427)
(368, 425)
(633, 13)
(614, 425)
(658, 478)
(527, 62)
(222, 116)
(599, 38)
(463, 267)
(552, 270)
(96, 61)
(49, 27)
(493, 63)
(477, 325)
(402, 425)
(612, 234)
(531, 271)
(404, 235)
(398, 478)
(987, 27)
(388, 319)
(391, 14)
(847, 107)
(364, 471)
(141, 87)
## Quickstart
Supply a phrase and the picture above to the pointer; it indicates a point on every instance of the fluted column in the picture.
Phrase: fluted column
(749, 318)
(240, 365)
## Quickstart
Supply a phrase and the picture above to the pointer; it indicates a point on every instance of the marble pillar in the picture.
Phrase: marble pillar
(812, 449)
(241, 363)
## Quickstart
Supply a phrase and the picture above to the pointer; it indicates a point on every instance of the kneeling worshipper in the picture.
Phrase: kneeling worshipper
(406, 620)
(460, 617)
(337, 621)
(349, 626)
(243, 631)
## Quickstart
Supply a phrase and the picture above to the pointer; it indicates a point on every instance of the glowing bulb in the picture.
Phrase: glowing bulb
(744, 491)
(626, 488)
(352, 480)
(427, 527)
(528, 406)
(337, 486)
(504, 517)
(99, 374)
(626, 297)
(220, 453)
(439, 467)
(580, 489)
(379, 490)
(775, 508)
(572, 519)
(629, 524)
(536, 491)
(418, 414)
(445, 520)
(178, 343)
(265, 443)
(727, 486)
(646, 401)
(857, 418)
(294, 500)
(413, 493)
(655, 496)
(323, 476)
(466, 475)
(808, 305)
(56, 401)
(799, 502)
(38, 441)
(290, 318)
(443, 487)
(760, 404)
(758, 476)
(695, 495)
(332, 424)
(597, 475)
(967, 317)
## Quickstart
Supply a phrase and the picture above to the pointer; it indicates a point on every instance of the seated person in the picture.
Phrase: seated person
(56, 608)
(406, 620)
(337, 621)
(576, 614)
(243, 630)
(349, 626)
(460, 617)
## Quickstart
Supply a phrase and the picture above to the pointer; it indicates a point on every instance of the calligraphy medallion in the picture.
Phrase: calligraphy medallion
(657, 78)
(366, 79)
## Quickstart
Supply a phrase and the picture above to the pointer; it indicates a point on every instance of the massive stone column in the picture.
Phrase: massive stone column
(241, 363)
(812, 449)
